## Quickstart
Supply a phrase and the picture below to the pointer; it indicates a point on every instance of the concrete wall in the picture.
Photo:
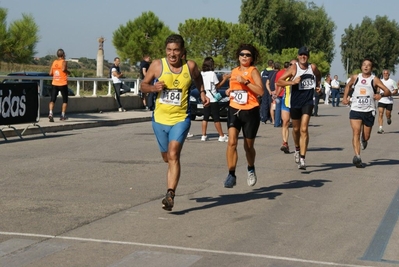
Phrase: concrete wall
(78, 104)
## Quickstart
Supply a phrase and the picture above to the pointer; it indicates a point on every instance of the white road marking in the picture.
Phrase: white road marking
(253, 255)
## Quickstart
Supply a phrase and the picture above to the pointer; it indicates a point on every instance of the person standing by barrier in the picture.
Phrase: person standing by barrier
(211, 84)
(59, 71)
(245, 87)
(386, 103)
(119, 87)
(363, 106)
(304, 79)
(171, 116)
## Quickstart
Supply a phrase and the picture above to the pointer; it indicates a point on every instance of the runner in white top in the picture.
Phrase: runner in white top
(386, 103)
(363, 106)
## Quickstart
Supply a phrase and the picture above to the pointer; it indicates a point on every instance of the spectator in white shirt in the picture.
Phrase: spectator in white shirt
(335, 97)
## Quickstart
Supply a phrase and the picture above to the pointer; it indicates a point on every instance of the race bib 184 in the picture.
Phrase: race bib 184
(171, 97)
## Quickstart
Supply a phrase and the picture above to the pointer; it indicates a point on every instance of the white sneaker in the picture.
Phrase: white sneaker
(189, 135)
(251, 180)
(204, 138)
(296, 156)
(302, 164)
(122, 110)
(224, 138)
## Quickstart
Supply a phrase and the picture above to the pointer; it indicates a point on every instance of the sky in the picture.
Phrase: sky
(76, 25)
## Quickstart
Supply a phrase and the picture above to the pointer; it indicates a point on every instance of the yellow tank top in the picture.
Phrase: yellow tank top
(287, 95)
(241, 97)
(59, 77)
(172, 104)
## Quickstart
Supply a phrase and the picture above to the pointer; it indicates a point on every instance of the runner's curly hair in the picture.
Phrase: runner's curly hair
(250, 48)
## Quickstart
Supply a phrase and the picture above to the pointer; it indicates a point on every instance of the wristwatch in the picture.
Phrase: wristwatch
(382, 93)
(247, 82)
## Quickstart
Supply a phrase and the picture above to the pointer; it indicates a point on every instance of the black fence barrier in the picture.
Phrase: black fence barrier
(19, 103)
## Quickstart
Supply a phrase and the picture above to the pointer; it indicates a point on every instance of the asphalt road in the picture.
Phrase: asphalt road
(92, 197)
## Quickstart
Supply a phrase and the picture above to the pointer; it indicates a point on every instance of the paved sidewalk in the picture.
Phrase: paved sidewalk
(76, 121)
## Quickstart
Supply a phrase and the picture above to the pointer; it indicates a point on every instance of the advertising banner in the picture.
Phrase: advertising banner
(19, 103)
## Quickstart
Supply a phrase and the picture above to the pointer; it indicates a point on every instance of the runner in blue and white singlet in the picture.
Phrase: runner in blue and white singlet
(304, 79)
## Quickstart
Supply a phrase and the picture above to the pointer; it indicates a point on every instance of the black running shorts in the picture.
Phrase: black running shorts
(248, 120)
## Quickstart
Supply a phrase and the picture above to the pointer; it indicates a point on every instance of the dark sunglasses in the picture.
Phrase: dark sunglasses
(246, 54)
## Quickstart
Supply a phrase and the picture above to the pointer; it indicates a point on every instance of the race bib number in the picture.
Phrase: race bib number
(307, 82)
(239, 96)
(363, 101)
(171, 97)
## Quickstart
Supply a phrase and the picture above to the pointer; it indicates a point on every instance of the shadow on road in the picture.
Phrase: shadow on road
(259, 193)
(384, 162)
(14, 139)
(326, 149)
(332, 166)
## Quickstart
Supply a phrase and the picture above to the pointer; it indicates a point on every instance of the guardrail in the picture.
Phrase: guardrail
(132, 83)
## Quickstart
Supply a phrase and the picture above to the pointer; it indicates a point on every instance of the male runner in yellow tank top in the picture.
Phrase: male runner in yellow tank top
(170, 78)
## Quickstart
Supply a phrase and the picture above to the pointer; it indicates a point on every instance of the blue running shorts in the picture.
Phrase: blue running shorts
(167, 133)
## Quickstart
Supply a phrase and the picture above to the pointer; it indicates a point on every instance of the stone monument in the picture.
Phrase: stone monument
(100, 57)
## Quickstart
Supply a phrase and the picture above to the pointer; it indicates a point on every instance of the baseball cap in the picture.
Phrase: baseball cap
(303, 50)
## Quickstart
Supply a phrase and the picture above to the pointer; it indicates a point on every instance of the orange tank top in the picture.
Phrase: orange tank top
(241, 97)
(59, 76)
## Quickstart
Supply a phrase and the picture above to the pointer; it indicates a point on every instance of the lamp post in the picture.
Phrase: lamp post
(347, 67)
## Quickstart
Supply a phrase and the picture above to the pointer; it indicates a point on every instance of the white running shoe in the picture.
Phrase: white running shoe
(296, 156)
(224, 138)
(302, 164)
(189, 135)
(251, 180)
(204, 138)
